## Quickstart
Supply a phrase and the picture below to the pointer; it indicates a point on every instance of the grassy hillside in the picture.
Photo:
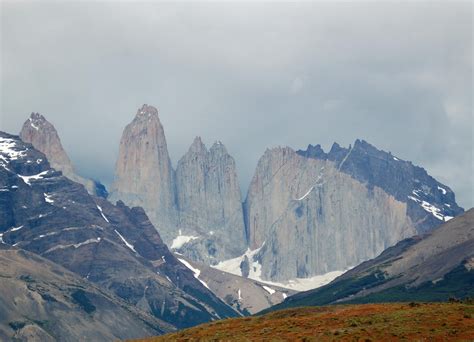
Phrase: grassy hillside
(367, 322)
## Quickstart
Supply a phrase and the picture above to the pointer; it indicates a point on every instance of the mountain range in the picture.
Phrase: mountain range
(112, 246)
(170, 248)
(302, 214)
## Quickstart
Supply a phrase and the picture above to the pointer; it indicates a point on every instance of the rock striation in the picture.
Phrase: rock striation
(144, 175)
(209, 204)
(39, 132)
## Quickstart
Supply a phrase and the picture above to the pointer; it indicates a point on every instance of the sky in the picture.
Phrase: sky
(252, 75)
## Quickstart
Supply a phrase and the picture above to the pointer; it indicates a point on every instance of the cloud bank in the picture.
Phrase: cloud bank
(254, 75)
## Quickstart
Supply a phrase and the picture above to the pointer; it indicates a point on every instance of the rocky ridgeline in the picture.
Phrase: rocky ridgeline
(429, 202)
(306, 212)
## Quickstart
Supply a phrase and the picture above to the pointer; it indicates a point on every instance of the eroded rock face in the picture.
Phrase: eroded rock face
(43, 136)
(144, 174)
(311, 218)
(209, 204)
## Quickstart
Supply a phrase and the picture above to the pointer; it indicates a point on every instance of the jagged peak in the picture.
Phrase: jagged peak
(36, 121)
(218, 146)
(335, 147)
(197, 145)
(148, 113)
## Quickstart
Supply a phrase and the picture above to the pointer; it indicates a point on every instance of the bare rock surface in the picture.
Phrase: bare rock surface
(144, 175)
(209, 204)
(43, 136)
(309, 218)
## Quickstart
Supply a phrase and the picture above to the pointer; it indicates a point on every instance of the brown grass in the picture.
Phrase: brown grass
(369, 322)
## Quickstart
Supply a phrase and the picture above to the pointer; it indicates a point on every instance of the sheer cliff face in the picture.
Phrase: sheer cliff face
(43, 136)
(311, 218)
(144, 175)
(209, 203)
(313, 212)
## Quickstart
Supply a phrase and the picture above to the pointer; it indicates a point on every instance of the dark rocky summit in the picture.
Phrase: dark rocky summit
(429, 201)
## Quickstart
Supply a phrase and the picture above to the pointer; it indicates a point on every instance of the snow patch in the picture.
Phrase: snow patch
(284, 295)
(14, 229)
(196, 271)
(430, 208)
(28, 179)
(298, 284)
(102, 213)
(6, 148)
(47, 198)
(239, 294)
(233, 265)
(396, 159)
(306, 194)
(443, 190)
(181, 240)
(129, 245)
(269, 289)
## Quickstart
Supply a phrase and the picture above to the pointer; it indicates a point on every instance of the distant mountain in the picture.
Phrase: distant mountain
(429, 202)
(434, 267)
(306, 214)
(42, 301)
(113, 246)
(309, 213)
(197, 208)
(43, 136)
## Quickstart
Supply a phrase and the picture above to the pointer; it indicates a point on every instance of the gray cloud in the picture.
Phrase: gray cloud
(257, 75)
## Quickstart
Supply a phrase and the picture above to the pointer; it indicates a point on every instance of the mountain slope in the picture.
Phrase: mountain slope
(245, 295)
(43, 301)
(43, 136)
(111, 245)
(370, 322)
(432, 268)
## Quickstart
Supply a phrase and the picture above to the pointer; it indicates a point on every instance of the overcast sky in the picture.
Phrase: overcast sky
(397, 74)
